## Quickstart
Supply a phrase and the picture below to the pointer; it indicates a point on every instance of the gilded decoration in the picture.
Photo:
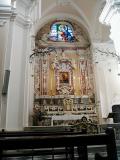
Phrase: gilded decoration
(68, 103)
(63, 79)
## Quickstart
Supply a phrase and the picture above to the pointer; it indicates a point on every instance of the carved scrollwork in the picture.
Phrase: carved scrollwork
(68, 103)
(65, 90)
(64, 76)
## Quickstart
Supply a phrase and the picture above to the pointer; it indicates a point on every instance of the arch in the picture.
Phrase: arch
(62, 16)
(79, 20)
(82, 15)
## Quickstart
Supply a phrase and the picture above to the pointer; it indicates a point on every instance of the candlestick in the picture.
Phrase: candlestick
(74, 84)
(51, 82)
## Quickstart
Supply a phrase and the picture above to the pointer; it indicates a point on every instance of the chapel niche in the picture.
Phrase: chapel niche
(63, 76)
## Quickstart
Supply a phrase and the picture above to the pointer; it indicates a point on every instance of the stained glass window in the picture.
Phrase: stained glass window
(61, 31)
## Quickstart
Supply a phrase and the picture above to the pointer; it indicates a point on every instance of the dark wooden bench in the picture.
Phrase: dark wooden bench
(48, 151)
(36, 133)
(36, 140)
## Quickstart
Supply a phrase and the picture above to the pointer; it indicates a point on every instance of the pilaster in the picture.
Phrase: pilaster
(111, 16)
(7, 11)
(17, 96)
(106, 76)
(7, 16)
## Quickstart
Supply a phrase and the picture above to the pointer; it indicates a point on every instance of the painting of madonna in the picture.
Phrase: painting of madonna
(64, 77)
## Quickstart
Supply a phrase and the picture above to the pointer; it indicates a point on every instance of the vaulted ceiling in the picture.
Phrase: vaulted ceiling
(85, 11)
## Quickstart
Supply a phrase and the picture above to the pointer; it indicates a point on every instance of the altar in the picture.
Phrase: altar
(64, 90)
(64, 110)
(67, 119)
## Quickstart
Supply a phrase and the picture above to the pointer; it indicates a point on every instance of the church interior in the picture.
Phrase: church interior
(60, 65)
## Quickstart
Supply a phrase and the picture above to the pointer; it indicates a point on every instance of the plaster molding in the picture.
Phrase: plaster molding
(24, 21)
(82, 16)
(2, 22)
(25, 3)
(112, 7)
(59, 16)
(7, 13)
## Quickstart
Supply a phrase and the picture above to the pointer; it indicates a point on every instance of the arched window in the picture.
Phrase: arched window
(61, 31)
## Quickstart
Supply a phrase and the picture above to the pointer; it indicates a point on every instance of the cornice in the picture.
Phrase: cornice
(111, 7)
(2, 22)
(6, 13)
(23, 21)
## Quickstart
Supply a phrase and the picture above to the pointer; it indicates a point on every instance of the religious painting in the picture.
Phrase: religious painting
(64, 77)
(61, 31)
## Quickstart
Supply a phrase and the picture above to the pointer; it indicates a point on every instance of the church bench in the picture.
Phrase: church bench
(36, 133)
(68, 141)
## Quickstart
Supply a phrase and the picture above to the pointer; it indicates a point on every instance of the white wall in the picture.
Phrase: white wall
(5, 2)
(19, 58)
(14, 93)
(3, 44)
(107, 78)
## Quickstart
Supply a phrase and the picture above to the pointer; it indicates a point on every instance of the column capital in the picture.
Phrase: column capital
(112, 7)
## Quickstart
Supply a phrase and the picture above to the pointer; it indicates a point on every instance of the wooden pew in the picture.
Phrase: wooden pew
(35, 133)
(58, 140)
(64, 150)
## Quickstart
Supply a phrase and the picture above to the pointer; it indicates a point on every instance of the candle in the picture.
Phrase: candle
(51, 83)
(74, 84)
(79, 83)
